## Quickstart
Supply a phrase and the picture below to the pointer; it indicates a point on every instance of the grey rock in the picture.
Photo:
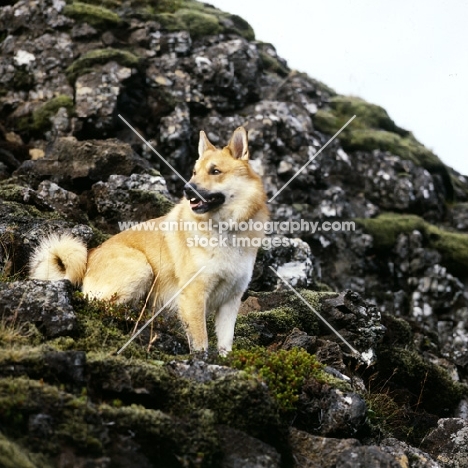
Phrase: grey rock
(96, 95)
(448, 443)
(45, 304)
(367, 457)
(345, 413)
(134, 198)
(356, 320)
(69, 162)
(329, 353)
(291, 258)
(62, 200)
(243, 451)
(412, 456)
(311, 451)
(200, 371)
(299, 339)
(459, 217)
(330, 412)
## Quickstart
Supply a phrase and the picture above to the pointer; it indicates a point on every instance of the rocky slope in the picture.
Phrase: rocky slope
(291, 394)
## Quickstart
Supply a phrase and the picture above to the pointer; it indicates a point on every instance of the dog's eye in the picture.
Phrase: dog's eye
(215, 171)
(194, 173)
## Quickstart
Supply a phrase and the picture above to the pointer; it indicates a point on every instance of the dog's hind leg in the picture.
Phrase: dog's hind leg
(122, 275)
(225, 320)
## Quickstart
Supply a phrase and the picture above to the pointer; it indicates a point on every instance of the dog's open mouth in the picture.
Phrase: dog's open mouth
(210, 202)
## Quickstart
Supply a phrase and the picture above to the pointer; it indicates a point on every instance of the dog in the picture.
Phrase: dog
(207, 268)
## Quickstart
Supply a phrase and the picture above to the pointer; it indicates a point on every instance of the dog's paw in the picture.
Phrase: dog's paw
(223, 352)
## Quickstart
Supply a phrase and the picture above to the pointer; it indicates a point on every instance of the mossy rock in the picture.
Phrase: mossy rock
(281, 313)
(97, 16)
(41, 116)
(94, 57)
(386, 228)
(170, 21)
(374, 129)
(13, 455)
(327, 121)
(234, 24)
(431, 385)
(271, 64)
(77, 425)
(236, 399)
(368, 115)
(39, 122)
(103, 3)
(199, 23)
(398, 331)
(11, 212)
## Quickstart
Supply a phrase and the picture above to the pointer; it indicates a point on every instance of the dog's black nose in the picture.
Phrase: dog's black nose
(190, 188)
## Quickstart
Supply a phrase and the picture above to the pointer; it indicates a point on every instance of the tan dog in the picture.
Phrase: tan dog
(224, 191)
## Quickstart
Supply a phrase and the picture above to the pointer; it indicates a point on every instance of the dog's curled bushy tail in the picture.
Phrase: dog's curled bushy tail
(59, 257)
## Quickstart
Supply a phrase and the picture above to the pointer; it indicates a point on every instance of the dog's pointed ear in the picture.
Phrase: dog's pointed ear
(239, 145)
(204, 144)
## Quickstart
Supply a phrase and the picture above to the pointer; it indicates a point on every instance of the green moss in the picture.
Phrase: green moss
(155, 199)
(271, 64)
(237, 399)
(13, 335)
(170, 21)
(452, 245)
(386, 228)
(431, 385)
(40, 121)
(282, 312)
(385, 415)
(98, 57)
(102, 327)
(96, 16)
(283, 371)
(103, 3)
(374, 129)
(84, 427)
(398, 330)
(327, 121)
(199, 24)
(159, 6)
(234, 24)
(12, 455)
(14, 210)
(368, 115)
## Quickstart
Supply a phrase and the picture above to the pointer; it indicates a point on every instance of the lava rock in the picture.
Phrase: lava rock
(448, 443)
(311, 451)
(242, 451)
(46, 304)
(129, 199)
(76, 165)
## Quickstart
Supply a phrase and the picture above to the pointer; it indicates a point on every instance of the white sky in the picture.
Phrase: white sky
(409, 56)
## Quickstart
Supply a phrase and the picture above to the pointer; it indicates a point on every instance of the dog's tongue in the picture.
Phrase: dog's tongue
(195, 203)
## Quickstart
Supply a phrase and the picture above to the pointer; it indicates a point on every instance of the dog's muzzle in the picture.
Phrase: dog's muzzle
(202, 201)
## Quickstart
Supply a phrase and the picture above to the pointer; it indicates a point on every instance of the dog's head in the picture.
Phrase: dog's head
(223, 178)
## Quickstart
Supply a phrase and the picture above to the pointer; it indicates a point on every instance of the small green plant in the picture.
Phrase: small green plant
(283, 371)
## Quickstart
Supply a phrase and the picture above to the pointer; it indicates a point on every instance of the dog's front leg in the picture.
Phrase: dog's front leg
(192, 314)
(225, 322)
